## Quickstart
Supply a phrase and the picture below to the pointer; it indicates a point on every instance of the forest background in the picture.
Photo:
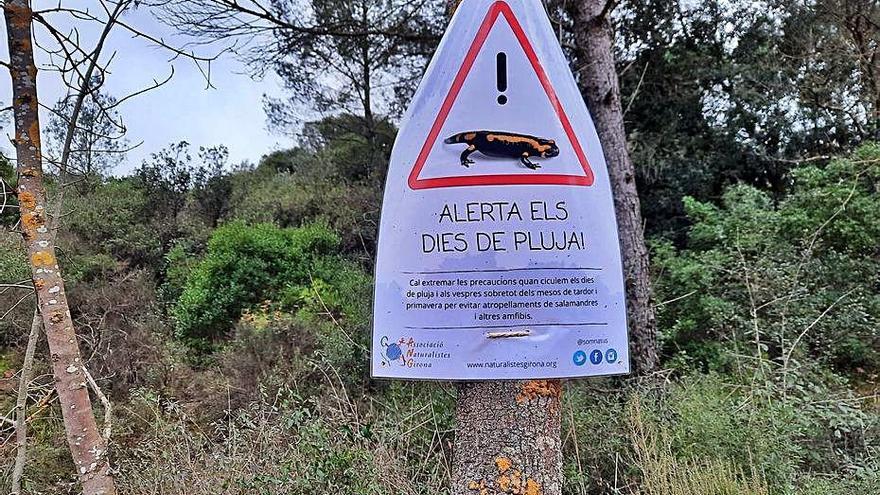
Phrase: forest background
(224, 308)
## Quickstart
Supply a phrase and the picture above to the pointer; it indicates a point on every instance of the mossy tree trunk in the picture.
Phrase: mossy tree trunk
(87, 447)
(598, 77)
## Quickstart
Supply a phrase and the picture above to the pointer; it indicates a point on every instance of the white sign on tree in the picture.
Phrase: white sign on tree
(498, 252)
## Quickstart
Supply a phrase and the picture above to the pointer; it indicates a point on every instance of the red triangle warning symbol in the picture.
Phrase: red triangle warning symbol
(533, 104)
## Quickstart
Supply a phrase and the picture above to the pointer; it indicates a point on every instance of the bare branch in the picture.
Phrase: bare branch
(811, 325)
(84, 89)
(27, 370)
(202, 62)
(5, 192)
(108, 408)
(156, 84)
(17, 303)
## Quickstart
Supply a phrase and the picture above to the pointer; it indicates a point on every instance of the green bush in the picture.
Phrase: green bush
(788, 277)
(115, 220)
(289, 200)
(180, 261)
(246, 265)
(334, 176)
(13, 261)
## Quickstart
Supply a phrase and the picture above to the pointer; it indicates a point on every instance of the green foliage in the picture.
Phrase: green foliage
(186, 192)
(91, 268)
(289, 200)
(862, 482)
(333, 177)
(663, 472)
(14, 269)
(733, 433)
(338, 309)
(793, 271)
(13, 261)
(727, 92)
(710, 422)
(114, 219)
(338, 147)
(771, 295)
(8, 200)
(247, 265)
(180, 261)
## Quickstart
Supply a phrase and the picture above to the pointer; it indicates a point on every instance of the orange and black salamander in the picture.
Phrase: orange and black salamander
(504, 145)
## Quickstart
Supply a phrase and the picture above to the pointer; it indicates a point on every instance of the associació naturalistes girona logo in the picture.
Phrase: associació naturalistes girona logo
(411, 354)
(400, 351)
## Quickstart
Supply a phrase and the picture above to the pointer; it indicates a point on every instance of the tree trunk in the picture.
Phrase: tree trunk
(508, 438)
(86, 444)
(451, 6)
(598, 77)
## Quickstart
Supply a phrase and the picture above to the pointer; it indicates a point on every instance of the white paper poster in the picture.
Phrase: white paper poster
(498, 252)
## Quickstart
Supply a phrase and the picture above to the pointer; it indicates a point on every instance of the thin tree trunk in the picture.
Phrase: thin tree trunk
(27, 371)
(369, 117)
(452, 6)
(508, 438)
(598, 76)
(36, 325)
(87, 447)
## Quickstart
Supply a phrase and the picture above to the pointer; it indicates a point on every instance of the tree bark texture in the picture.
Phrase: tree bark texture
(598, 78)
(508, 438)
(87, 447)
(451, 7)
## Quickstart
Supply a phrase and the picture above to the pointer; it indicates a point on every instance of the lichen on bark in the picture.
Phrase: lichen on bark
(508, 438)
(87, 447)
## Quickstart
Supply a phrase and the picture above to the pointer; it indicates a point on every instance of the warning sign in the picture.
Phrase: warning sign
(498, 252)
(499, 53)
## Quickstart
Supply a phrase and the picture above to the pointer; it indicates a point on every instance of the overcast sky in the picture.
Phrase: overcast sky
(232, 114)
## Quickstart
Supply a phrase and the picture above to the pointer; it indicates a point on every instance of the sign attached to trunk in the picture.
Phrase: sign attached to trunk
(498, 250)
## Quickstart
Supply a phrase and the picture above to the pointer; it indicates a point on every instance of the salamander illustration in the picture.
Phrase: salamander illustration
(505, 145)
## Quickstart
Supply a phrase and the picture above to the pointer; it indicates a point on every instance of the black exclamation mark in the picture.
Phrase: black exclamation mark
(501, 76)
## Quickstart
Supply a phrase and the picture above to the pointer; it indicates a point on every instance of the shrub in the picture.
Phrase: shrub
(13, 261)
(248, 265)
(289, 200)
(114, 220)
(664, 473)
(737, 434)
(787, 278)
(14, 269)
(180, 261)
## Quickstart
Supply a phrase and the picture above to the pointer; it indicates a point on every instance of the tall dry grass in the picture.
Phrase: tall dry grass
(664, 474)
